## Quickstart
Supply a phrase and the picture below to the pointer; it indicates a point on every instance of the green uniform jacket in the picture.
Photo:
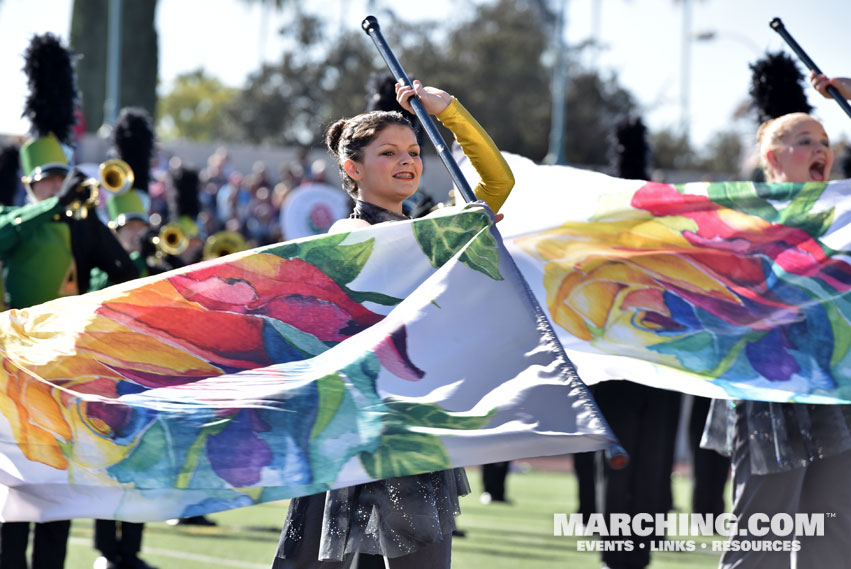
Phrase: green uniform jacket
(44, 259)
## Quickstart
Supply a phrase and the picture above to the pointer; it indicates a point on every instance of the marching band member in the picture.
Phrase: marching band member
(47, 253)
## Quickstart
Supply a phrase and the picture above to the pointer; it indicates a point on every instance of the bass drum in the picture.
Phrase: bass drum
(311, 209)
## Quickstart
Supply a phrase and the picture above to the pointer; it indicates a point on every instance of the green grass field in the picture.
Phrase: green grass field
(516, 536)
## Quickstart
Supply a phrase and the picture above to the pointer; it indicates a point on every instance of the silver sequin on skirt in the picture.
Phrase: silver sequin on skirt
(392, 517)
(781, 436)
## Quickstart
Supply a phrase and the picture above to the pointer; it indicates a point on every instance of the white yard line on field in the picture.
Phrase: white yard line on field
(207, 559)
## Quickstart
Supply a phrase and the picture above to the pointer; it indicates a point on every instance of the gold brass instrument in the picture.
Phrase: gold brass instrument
(171, 240)
(79, 209)
(223, 243)
(115, 176)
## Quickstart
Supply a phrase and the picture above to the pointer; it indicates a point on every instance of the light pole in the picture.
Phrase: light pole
(113, 67)
(596, 19)
(685, 73)
(558, 86)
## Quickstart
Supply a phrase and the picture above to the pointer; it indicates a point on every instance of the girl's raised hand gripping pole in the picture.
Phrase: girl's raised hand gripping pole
(777, 25)
(370, 26)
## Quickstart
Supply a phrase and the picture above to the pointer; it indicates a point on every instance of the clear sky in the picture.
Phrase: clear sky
(642, 42)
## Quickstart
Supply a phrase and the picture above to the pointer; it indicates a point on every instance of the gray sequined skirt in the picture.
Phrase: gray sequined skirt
(392, 517)
(781, 436)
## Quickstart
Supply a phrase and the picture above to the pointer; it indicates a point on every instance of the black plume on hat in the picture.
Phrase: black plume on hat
(381, 96)
(133, 138)
(631, 148)
(185, 181)
(844, 161)
(9, 177)
(52, 84)
(776, 87)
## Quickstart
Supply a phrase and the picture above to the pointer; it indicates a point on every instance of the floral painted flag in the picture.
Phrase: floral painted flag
(283, 371)
(727, 290)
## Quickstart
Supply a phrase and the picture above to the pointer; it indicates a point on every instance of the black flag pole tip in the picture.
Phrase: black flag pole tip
(369, 24)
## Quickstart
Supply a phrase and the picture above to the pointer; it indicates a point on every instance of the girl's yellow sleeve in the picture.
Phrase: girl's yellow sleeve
(496, 177)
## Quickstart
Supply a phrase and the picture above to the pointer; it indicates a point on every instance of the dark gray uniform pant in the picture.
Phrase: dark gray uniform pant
(820, 488)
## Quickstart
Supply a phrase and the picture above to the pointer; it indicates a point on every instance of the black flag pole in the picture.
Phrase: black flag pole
(372, 29)
(777, 25)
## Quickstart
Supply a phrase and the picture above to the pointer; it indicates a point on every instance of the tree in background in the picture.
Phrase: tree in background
(88, 39)
(671, 150)
(491, 58)
(139, 56)
(288, 102)
(594, 107)
(492, 61)
(723, 153)
(318, 79)
(195, 108)
(493, 64)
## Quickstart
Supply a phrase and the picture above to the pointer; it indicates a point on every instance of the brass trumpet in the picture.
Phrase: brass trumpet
(116, 176)
(171, 240)
(223, 243)
(79, 209)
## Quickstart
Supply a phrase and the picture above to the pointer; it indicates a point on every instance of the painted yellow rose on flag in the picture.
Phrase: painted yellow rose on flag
(687, 281)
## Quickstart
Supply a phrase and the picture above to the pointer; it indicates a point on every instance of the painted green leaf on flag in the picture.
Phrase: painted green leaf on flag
(786, 204)
(745, 195)
(441, 238)
(331, 391)
(433, 415)
(402, 452)
(404, 449)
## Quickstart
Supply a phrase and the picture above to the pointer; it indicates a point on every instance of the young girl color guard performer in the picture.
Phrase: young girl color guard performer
(408, 520)
(789, 458)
